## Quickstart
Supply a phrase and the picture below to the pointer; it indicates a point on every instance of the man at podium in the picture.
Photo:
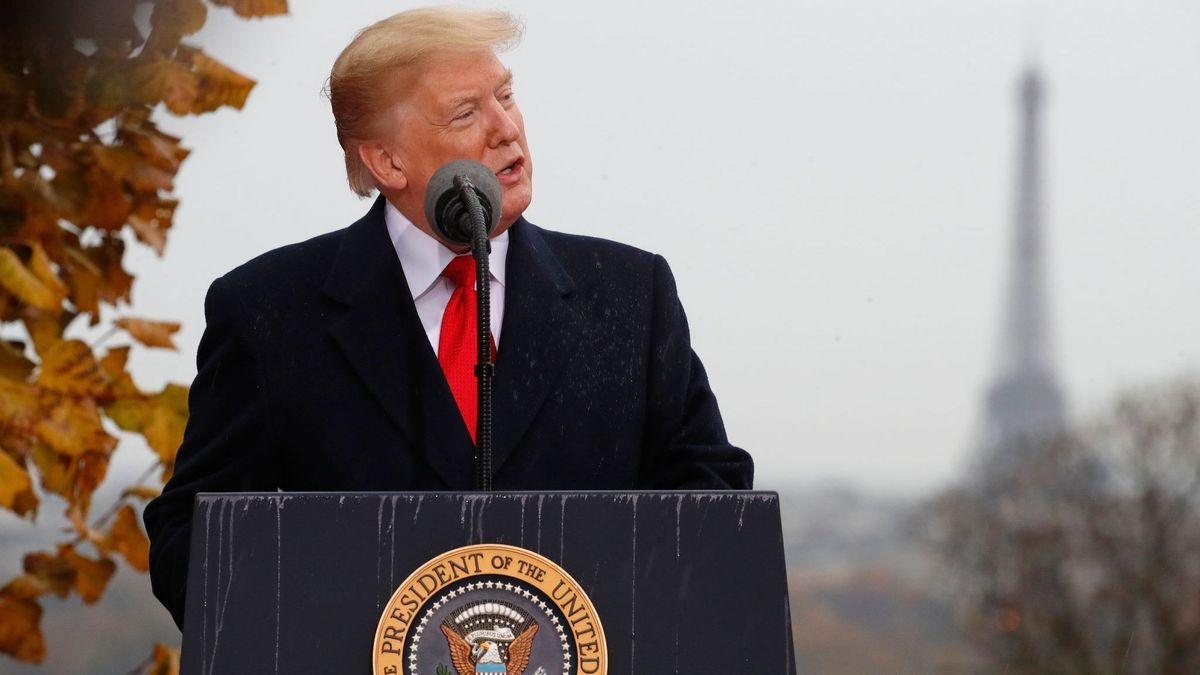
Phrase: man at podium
(336, 364)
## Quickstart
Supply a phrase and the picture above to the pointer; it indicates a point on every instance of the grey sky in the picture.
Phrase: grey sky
(831, 182)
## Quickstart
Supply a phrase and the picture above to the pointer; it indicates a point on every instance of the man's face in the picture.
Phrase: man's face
(462, 107)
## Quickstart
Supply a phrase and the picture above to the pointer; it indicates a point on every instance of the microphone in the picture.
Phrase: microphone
(448, 209)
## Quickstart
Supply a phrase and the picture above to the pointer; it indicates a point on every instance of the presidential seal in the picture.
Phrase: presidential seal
(489, 609)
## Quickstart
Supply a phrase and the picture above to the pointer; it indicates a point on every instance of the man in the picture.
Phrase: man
(325, 364)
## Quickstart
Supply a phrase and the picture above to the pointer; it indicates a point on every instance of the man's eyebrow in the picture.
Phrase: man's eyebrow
(508, 79)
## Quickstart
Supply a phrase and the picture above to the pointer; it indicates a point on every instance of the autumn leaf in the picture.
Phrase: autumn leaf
(53, 570)
(178, 17)
(70, 367)
(16, 489)
(43, 269)
(255, 8)
(24, 284)
(73, 428)
(167, 419)
(91, 576)
(150, 333)
(127, 538)
(20, 407)
(217, 84)
(13, 364)
(164, 662)
(20, 633)
(75, 478)
(45, 328)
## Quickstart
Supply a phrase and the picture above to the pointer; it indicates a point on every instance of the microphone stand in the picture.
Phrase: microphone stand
(484, 369)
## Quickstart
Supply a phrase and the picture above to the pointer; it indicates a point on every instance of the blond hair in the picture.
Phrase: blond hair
(361, 84)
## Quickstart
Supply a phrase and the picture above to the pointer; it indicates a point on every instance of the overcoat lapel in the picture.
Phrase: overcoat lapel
(381, 336)
(541, 328)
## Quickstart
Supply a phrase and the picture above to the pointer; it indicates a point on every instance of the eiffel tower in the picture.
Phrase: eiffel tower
(1024, 403)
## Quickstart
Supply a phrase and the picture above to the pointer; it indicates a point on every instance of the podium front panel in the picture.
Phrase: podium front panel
(296, 582)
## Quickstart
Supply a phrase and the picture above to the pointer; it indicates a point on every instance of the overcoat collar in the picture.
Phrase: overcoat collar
(382, 338)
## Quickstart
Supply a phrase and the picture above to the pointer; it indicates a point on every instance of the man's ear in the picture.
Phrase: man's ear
(384, 165)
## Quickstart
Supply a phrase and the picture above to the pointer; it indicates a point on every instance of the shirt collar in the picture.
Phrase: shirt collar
(423, 257)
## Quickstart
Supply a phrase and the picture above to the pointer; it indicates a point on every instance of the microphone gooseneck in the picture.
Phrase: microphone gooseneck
(463, 204)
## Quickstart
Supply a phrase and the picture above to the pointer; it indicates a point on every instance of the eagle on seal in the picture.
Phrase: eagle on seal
(490, 638)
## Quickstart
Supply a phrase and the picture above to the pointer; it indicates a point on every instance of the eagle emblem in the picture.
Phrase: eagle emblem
(490, 637)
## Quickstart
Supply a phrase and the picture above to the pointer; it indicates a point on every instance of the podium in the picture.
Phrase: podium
(674, 582)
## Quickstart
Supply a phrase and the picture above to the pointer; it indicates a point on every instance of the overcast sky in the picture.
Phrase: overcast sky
(830, 181)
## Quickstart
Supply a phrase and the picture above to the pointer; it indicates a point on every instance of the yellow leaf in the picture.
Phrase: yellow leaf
(16, 489)
(43, 269)
(91, 576)
(45, 328)
(70, 367)
(255, 8)
(168, 81)
(143, 492)
(150, 333)
(20, 634)
(24, 284)
(75, 478)
(130, 414)
(20, 407)
(165, 661)
(179, 17)
(73, 428)
(113, 365)
(126, 538)
(217, 84)
(167, 419)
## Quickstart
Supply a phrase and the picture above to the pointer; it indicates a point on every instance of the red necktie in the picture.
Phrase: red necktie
(456, 344)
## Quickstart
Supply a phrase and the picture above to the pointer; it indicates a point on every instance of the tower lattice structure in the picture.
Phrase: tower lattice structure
(1024, 403)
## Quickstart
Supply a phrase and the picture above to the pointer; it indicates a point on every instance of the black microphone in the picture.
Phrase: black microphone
(446, 209)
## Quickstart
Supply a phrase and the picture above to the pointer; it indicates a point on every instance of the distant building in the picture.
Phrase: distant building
(1024, 405)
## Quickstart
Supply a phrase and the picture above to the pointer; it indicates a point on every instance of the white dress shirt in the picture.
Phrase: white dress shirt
(424, 258)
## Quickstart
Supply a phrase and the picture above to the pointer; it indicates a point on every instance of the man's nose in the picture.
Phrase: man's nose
(504, 129)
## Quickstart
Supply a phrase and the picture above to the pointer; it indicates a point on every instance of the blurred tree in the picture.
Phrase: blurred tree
(84, 169)
(1086, 558)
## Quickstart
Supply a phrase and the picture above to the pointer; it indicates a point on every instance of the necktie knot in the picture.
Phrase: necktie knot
(461, 271)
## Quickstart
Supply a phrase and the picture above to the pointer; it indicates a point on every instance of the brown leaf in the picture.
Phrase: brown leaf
(110, 204)
(165, 661)
(24, 284)
(53, 570)
(168, 81)
(127, 538)
(16, 488)
(91, 576)
(217, 85)
(70, 367)
(148, 233)
(25, 587)
(20, 634)
(13, 364)
(150, 333)
(159, 149)
(255, 8)
(73, 428)
(20, 405)
(125, 163)
(166, 421)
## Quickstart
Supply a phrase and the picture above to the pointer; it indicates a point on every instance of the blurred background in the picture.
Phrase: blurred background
(939, 259)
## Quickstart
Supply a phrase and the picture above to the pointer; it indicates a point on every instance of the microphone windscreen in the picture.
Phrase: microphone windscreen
(441, 192)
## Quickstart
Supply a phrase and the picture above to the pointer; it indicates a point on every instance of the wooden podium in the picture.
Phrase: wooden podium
(680, 582)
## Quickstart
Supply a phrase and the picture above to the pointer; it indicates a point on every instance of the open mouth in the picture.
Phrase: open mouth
(512, 168)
